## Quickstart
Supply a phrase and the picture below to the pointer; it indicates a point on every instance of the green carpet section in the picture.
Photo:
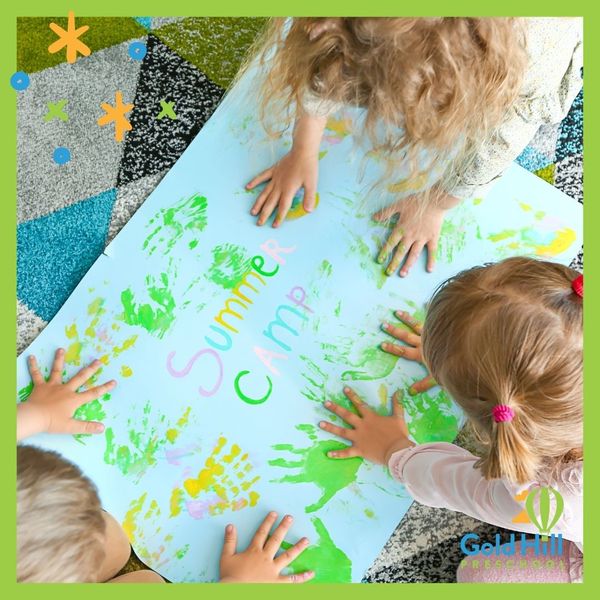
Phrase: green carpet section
(547, 173)
(215, 45)
(34, 36)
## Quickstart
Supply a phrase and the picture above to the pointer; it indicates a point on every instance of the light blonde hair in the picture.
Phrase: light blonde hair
(60, 525)
(512, 333)
(436, 84)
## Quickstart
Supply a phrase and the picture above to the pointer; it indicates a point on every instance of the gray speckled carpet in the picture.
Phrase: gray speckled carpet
(68, 213)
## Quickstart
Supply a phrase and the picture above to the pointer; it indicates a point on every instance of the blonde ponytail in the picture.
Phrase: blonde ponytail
(506, 341)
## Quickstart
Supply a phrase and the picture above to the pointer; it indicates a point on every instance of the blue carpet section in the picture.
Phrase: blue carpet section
(144, 21)
(55, 251)
(533, 160)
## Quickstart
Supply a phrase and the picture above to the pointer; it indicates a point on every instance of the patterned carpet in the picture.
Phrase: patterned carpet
(67, 213)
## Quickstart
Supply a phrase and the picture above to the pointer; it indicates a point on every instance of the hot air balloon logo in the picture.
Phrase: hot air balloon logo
(545, 518)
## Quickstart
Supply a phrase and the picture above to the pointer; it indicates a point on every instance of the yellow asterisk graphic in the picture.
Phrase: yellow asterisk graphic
(70, 39)
(117, 114)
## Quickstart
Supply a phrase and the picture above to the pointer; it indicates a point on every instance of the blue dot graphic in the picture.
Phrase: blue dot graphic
(61, 155)
(20, 81)
(137, 50)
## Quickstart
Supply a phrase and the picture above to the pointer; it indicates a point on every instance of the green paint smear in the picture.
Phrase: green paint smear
(182, 551)
(330, 564)
(364, 354)
(330, 476)
(91, 411)
(229, 265)
(360, 250)
(141, 451)
(25, 392)
(157, 319)
(431, 417)
(170, 225)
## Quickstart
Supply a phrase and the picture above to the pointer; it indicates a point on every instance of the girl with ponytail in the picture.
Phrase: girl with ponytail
(506, 342)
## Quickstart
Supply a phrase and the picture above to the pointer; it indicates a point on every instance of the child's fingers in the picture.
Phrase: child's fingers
(57, 366)
(34, 371)
(343, 432)
(310, 198)
(349, 452)
(229, 541)
(262, 197)
(95, 392)
(360, 406)
(393, 240)
(273, 544)
(285, 558)
(386, 213)
(403, 351)
(401, 334)
(431, 255)
(398, 256)
(340, 411)
(285, 203)
(411, 259)
(83, 375)
(409, 320)
(268, 207)
(422, 386)
(296, 577)
(260, 178)
(260, 537)
(397, 406)
(75, 427)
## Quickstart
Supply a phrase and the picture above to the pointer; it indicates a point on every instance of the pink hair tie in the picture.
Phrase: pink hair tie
(502, 413)
(577, 285)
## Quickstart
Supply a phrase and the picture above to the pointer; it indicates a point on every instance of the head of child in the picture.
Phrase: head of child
(438, 81)
(60, 524)
(511, 334)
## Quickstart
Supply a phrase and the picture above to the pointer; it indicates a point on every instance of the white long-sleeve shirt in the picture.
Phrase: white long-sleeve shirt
(444, 476)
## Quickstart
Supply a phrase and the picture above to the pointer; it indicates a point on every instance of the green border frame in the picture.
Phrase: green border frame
(298, 8)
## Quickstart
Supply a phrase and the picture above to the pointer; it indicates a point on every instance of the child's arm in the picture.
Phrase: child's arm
(51, 404)
(440, 475)
(297, 169)
(259, 563)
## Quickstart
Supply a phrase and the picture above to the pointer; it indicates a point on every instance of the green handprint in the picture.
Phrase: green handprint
(330, 564)
(316, 467)
(431, 417)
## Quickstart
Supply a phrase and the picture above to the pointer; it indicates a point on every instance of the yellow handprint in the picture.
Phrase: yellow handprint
(224, 483)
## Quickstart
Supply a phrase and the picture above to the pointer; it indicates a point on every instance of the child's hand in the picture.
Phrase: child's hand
(373, 436)
(51, 404)
(295, 170)
(258, 563)
(417, 227)
(412, 351)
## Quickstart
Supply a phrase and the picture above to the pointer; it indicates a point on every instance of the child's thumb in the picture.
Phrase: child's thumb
(75, 427)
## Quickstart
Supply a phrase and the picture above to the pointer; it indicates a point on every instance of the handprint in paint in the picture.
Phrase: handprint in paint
(316, 467)
(223, 484)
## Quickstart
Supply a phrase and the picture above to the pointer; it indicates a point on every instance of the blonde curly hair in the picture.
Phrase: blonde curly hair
(437, 85)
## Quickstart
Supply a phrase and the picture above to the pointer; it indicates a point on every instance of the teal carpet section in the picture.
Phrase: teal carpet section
(54, 252)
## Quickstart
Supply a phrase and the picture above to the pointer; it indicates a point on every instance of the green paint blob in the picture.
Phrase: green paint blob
(25, 392)
(431, 417)
(156, 318)
(330, 563)
(182, 551)
(329, 475)
(186, 218)
(229, 265)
